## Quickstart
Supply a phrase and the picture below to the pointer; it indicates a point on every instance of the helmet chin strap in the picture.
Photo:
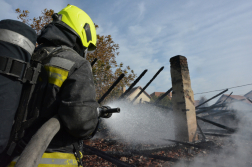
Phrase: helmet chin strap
(79, 48)
(85, 53)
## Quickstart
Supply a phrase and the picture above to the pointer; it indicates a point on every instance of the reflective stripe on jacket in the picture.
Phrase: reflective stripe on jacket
(56, 159)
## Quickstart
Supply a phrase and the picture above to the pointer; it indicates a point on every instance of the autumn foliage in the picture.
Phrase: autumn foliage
(106, 70)
(36, 23)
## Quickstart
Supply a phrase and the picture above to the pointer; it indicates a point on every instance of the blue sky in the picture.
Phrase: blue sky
(215, 36)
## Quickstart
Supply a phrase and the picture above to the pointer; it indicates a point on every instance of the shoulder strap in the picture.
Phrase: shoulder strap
(19, 69)
(21, 123)
(29, 76)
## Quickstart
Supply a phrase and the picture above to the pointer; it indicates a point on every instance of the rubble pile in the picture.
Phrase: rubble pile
(162, 156)
(165, 156)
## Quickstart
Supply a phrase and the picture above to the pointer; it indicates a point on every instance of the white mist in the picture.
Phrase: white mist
(141, 124)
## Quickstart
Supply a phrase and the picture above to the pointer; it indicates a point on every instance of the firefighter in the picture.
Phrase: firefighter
(65, 86)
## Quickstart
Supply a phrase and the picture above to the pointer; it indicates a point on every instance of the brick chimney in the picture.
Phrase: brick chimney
(183, 100)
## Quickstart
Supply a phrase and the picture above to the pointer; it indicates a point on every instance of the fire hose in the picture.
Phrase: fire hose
(34, 150)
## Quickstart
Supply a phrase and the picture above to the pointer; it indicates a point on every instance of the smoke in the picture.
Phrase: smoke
(237, 149)
(141, 124)
(146, 124)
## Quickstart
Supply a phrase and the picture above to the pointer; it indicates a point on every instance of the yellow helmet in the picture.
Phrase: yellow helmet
(82, 24)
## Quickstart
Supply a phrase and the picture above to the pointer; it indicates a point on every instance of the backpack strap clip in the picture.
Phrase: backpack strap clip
(19, 69)
(31, 73)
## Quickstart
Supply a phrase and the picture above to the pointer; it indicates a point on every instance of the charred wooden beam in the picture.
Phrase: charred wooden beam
(211, 98)
(93, 62)
(249, 100)
(217, 134)
(201, 132)
(111, 88)
(213, 106)
(216, 131)
(216, 124)
(227, 97)
(205, 109)
(163, 96)
(147, 84)
(219, 113)
(106, 156)
(124, 95)
(184, 143)
(215, 111)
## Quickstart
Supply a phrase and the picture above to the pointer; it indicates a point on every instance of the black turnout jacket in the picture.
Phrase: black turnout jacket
(66, 89)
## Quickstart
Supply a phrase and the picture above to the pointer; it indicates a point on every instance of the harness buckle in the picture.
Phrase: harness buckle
(19, 69)
(12, 67)
(31, 74)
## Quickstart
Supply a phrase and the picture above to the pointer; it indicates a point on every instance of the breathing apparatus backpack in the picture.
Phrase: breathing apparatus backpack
(18, 76)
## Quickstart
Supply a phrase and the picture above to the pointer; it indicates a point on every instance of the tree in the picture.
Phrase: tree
(106, 70)
(36, 23)
(166, 101)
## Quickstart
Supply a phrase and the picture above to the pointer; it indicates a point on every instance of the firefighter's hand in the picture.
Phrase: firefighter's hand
(102, 112)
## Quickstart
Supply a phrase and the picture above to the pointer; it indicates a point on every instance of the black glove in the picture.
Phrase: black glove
(102, 112)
